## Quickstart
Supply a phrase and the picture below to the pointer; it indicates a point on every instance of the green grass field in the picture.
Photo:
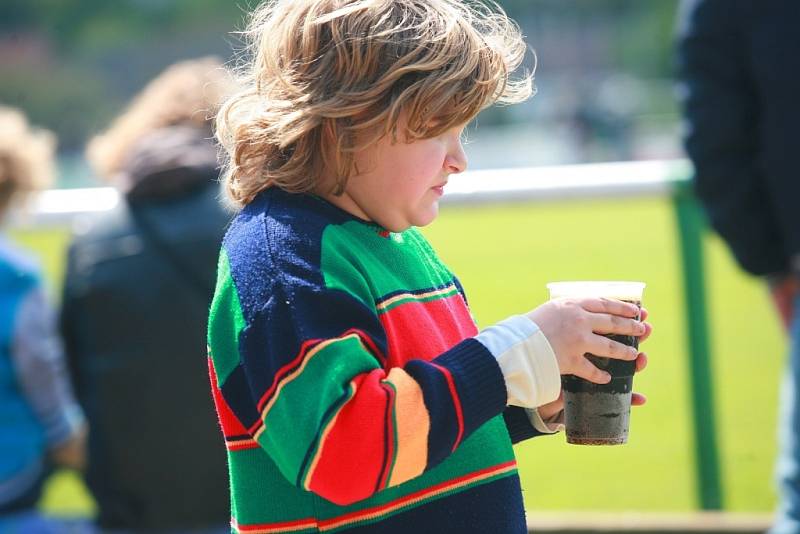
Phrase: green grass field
(505, 254)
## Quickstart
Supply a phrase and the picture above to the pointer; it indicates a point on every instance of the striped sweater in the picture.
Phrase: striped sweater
(351, 392)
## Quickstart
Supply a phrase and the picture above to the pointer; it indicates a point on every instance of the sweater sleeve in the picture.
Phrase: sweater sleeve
(526, 423)
(529, 369)
(306, 379)
(723, 117)
(39, 363)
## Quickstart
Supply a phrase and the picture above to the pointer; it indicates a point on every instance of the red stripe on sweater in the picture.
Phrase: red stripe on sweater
(424, 330)
(351, 459)
(241, 445)
(269, 528)
(231, 426)
(456, 403)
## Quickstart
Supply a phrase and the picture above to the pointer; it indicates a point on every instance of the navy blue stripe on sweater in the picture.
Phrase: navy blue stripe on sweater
(492, 508)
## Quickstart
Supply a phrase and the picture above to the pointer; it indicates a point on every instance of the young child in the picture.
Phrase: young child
(40, 421)
(353, 388)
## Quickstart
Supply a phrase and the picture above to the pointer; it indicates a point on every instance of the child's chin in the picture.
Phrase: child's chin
(427, 217)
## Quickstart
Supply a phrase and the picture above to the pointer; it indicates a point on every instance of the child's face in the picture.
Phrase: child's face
(399, 185)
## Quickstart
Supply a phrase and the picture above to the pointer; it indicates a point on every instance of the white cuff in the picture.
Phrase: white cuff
(526, 359)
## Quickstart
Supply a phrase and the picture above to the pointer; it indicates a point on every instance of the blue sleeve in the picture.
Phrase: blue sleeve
(39, 363)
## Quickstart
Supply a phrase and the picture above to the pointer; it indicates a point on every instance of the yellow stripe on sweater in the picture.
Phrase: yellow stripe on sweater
(413, 427)
(414, 296)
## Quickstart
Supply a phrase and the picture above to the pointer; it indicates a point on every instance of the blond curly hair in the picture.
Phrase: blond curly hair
(188, 92)
(26, 157)
(324, 79)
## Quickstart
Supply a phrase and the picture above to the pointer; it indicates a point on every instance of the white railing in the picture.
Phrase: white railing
(594, 180)
(610, 180)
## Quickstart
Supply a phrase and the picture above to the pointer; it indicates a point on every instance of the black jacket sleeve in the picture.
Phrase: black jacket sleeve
(724, 115)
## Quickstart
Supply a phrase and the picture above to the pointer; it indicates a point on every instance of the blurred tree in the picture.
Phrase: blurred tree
(71, 102)
(15, 14)
(91, 55)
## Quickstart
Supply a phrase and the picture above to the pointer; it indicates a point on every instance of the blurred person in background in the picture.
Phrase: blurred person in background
(738, 66)
(41, 424)
(136, 295)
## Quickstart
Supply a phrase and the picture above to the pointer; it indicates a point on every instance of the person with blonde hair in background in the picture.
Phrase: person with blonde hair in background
(136, 295)
(41, 424)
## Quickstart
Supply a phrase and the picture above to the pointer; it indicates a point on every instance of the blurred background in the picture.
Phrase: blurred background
(605, 93)
(603, 77)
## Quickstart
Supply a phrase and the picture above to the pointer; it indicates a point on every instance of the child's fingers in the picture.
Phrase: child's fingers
(645, 314)
(588, 371)
(611, 306)
(603, 323)
(641, 362)
(648, 329)
(608, 348)
(637, 399)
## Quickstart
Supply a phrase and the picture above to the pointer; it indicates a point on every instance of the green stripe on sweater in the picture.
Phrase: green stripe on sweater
(265, 496)
(226, 321)
(353, 253)
(296, 414)
(262, 493)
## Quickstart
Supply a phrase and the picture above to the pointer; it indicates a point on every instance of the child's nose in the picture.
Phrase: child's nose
(456, 160)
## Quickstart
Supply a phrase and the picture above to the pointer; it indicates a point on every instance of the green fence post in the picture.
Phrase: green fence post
(691, 226)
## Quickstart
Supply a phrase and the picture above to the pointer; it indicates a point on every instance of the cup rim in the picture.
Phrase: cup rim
(619, 289)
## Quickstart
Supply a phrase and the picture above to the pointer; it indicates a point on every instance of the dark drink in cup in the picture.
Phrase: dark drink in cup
(599, 414)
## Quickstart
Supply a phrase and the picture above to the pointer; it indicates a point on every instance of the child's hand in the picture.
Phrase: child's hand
(546, 411)
(637, 399)
(72, 453)
(784, 289)
(574, 327)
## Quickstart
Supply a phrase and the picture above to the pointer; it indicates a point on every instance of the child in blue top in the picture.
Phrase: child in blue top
(40, 422)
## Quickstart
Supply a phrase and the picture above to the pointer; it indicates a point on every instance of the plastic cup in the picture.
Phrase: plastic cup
(599, 414)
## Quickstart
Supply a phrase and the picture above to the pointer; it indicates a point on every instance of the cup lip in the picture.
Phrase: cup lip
(618, 289)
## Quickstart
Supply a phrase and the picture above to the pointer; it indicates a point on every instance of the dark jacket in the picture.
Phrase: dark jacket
(136, 296)
(738, 64)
